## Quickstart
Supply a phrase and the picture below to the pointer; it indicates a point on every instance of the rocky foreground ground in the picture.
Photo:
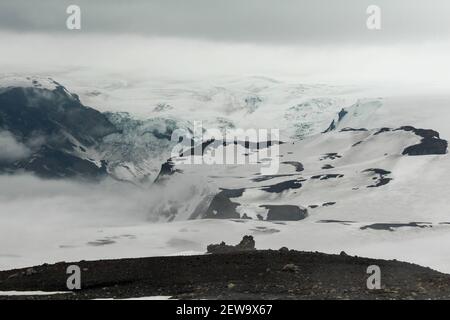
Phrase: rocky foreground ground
(227, 273)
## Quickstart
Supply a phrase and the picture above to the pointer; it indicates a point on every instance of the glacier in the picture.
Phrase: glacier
(345, 182)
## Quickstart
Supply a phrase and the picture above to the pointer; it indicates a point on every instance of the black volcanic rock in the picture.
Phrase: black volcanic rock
(254, 275)
(430, 143)
(352, 129)
(297, 165)
(393, 226)
(283, 186)
(29, 111)
(285, 212)
(327, 176)
(53, 163)
(221, 207)
(167, 169)
(56, 127)
(247, 244)
(330, 156)
(384, 129)
(333, 124)
(381, 178)
(211, 144)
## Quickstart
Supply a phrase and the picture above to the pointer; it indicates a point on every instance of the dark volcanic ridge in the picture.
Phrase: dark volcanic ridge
(233, 272)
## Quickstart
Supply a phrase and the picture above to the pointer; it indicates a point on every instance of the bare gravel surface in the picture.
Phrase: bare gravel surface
(252, 274)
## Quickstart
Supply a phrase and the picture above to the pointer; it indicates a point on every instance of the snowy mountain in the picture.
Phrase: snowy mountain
(60, 137)
(224, 102)
(56, 126)
(354, 173)
(328, 176)
(59, 134)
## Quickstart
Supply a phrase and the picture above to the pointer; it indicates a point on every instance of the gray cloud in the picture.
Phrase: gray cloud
(272, 21)
(11, 149)
(72, 202)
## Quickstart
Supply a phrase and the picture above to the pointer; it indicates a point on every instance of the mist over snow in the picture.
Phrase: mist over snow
(70, 203)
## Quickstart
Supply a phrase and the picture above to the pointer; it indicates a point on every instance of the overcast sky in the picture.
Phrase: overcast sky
(270, 21)
(307, 40)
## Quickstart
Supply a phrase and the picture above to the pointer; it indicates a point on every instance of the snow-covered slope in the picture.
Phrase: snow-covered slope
(36, 82)
(356, 172)
(225, 102)
(341, 175)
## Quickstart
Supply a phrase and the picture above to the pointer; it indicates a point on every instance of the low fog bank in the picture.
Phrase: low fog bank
(67, 220)
(26, 199)
(71, 202)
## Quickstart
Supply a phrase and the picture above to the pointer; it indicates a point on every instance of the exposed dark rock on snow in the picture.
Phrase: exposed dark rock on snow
(381, 178)
(262, 178)
(254, 145)
(430, 144)
(221, 207)
(297, 165)
(424, 133)
(331, 156)
(327, 204)
(167, 169)
(353, 129)
(382, 130)
(214, 144)
(378, 171)
(285, 212)
(393, 226)
(357, 143)
(313, 206)
(247, 244)
(327, 176)
(283, 186)
(333, 124)
(53, 163)
(344, 222)
(233, 193)
(327, 166)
